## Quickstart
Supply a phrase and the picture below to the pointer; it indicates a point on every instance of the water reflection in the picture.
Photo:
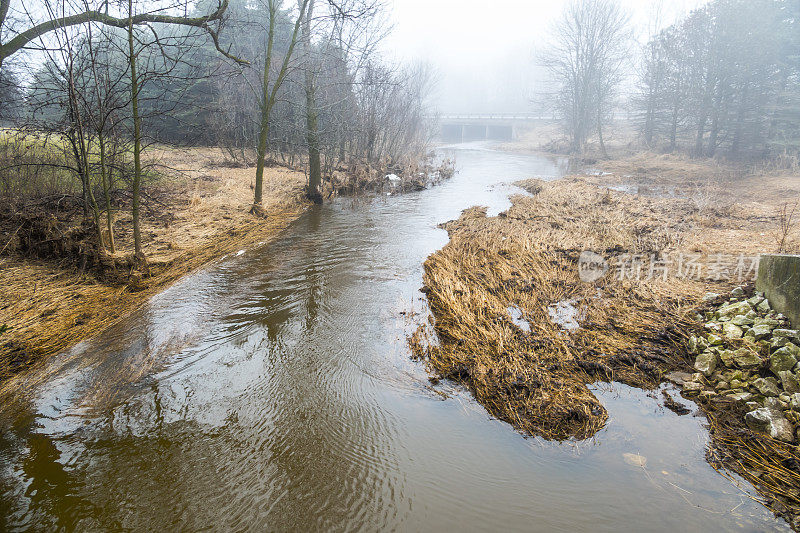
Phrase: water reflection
(274, 390)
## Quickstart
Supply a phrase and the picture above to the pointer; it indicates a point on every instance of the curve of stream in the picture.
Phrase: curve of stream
(274, 390)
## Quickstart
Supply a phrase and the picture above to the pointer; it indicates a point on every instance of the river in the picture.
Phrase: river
(274, 390)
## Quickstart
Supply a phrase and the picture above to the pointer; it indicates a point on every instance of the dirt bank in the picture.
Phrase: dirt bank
(196, 213)
(757, 191)
(514, 322)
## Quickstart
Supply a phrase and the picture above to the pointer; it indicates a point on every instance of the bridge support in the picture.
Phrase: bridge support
(453, 133)
(500, 132)
(499, 127)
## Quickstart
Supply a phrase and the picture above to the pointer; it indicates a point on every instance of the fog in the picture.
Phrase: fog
(254, 273)
(485, 56)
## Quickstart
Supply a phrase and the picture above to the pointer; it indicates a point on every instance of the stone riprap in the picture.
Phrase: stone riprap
(750, 355)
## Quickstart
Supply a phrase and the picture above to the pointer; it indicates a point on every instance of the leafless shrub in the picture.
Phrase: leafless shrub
(786, 223)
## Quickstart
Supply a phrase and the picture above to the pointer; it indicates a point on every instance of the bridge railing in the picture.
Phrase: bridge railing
(489, 116)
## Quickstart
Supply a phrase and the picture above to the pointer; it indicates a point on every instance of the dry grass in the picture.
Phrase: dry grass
(688, 177)
(630, 331)
(771, 466)
(202, 215)
(737, 202)
(749, 209)
(527, 258)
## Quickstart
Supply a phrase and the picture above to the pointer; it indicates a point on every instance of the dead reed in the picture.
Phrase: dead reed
(527, 259)
(534, 374)
(772, 467)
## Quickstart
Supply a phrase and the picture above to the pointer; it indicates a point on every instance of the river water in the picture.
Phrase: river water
(274, 390)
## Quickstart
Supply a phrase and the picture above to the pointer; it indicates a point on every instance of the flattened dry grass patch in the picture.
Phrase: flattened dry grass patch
(494, 287)
(526, 260)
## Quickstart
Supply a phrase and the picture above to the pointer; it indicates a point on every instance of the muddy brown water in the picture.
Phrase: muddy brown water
(274, 390)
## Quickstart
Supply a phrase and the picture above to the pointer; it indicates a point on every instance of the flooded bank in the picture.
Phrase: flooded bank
(275, 390)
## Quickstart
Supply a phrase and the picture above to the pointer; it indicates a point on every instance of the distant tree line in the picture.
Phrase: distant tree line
(725, 80)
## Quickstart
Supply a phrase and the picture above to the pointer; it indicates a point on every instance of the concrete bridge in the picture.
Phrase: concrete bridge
(483, 126)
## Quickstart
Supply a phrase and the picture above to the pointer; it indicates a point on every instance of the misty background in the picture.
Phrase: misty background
(485, 56)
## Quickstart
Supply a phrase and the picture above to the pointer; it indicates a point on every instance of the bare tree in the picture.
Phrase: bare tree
(312, 125)
(590, 45)
(344, 29)
(269, 90)
(34, 28)
(167, 57)
(109, 100)
(338, 103)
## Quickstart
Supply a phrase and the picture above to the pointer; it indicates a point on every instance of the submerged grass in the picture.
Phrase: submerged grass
(527, 259)
(523, 264)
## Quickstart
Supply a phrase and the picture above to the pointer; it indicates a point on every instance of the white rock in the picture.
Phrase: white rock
(771, 422)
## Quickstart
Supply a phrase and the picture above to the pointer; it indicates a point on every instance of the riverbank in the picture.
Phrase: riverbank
(632, 168)
(747, 382)
(197, 213)
(516, 324)
(299, 347)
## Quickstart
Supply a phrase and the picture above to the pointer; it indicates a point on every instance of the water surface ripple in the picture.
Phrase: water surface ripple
(274, 391)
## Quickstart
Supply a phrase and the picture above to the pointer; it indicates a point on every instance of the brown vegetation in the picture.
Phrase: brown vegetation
(498, 290)
(412, 174)
(771, 466)
(58, 292)
(527, 259)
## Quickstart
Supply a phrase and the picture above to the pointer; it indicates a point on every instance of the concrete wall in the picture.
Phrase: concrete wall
(464, 132)
(779, 280)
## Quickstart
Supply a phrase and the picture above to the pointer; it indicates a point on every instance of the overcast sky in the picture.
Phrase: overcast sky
(484, 50)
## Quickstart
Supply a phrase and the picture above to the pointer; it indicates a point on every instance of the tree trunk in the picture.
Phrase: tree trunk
(600, 134)
(263, 133)
(137, 140)
(713, 134)
(269, 95)
(649, 114)
(701, 131)
(261, 155)
(313, 192)
(81, 155)
(106, 190)
(72, 135)
(673, 134)
(737, 136)
(701, 124)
